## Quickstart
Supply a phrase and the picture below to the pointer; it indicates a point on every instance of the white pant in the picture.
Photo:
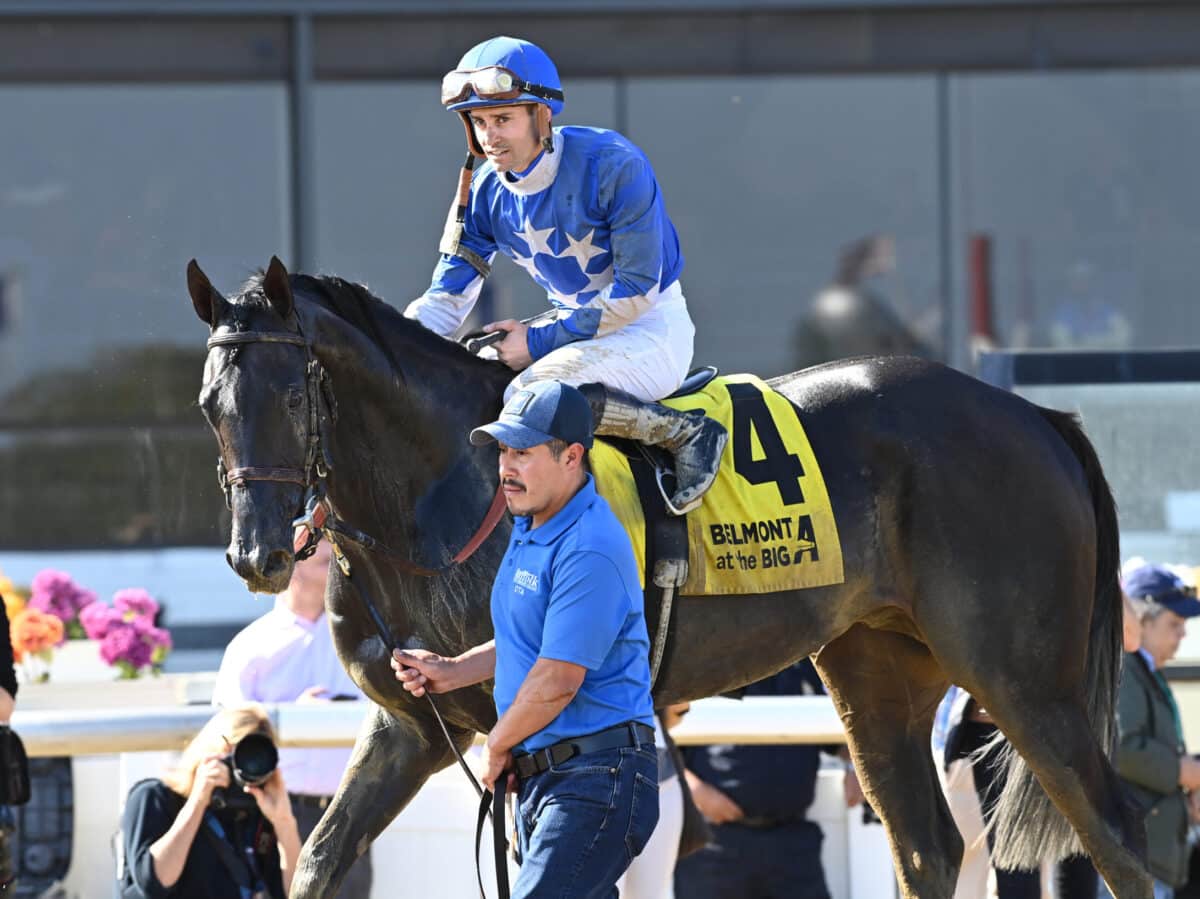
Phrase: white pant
(648, 358)
(652, 873)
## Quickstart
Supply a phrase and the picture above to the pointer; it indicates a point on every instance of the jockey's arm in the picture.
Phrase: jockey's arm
(636, 222)
(455, 286)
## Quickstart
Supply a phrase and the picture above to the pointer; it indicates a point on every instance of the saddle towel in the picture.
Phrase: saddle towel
(766, 525)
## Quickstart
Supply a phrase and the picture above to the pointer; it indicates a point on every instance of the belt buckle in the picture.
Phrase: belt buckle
(544, 759)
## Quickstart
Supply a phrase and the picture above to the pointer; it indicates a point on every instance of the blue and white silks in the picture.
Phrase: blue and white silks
(587, 222)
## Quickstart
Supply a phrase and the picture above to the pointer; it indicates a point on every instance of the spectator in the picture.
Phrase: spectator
(176, 843)
(1151, 757)
(287, 655)
(968, 730)
(757, 797)
(1084, 319)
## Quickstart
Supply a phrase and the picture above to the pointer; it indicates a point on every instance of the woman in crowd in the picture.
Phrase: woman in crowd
(1151, 757)
(178, 842)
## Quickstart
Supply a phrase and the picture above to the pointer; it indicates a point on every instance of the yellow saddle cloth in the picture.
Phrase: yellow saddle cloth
(766, 525)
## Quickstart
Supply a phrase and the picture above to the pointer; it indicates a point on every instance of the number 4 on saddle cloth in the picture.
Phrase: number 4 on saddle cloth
(766, 525)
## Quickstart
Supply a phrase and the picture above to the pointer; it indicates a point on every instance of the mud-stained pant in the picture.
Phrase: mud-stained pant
(647, 359)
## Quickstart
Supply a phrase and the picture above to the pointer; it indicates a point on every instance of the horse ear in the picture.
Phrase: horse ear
(278, 288)
(204, 296)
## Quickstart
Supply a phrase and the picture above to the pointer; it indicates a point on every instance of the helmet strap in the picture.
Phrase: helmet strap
(472, 142)
(547, 142)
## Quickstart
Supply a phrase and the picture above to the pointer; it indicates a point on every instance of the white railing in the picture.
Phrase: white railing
(755, 719)
(427, 847)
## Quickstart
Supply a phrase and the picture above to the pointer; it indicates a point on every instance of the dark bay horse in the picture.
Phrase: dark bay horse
(978, 534)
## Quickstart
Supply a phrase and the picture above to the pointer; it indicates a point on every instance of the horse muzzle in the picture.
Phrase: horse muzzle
(264, 569)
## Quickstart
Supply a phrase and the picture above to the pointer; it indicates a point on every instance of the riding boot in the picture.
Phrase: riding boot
(695, 441)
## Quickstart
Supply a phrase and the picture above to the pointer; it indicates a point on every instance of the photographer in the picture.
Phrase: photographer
(196, 833)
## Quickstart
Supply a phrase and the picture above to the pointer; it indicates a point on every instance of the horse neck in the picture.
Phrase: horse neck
(404, 471)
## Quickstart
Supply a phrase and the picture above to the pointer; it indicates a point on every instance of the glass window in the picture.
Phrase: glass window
(1085, 183)
(105, 196)
(770, 182)
(1135, 429)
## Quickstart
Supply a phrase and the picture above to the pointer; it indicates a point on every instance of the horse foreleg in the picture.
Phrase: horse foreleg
(886, 688)
(392, 759)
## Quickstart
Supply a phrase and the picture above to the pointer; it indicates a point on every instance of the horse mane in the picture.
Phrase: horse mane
(378, 320)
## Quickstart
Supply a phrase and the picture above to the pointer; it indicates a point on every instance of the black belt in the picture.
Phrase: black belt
(765, 822)
(308, 801)
(631, 733)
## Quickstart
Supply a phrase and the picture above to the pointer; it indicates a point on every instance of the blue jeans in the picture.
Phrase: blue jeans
(782, 862)
(581, 823)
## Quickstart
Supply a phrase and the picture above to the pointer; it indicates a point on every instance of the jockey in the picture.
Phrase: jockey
(581, 211)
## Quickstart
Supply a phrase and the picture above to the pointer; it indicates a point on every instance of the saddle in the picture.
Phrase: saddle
(765, 526)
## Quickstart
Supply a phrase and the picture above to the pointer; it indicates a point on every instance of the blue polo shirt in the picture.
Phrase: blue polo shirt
(569, 591)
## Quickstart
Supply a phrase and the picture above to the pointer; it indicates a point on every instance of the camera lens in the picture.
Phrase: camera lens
(254, 759)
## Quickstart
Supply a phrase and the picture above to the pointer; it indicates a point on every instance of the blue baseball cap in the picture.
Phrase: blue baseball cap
(1163, 586)
(539, 413)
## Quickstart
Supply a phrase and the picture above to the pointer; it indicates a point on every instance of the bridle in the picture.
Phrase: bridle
(318, 520)
(316, 514)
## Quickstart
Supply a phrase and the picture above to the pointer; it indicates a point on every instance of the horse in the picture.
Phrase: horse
(979, 539)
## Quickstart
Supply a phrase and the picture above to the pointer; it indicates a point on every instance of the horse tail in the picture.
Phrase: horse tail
(1028, 828)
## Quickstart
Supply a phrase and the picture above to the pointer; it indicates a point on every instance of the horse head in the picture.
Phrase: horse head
(275, 348)
(256, 397)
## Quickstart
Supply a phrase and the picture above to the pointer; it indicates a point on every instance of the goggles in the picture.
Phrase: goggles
(491, 83)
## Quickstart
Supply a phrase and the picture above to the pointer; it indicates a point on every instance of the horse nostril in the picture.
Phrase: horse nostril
(277, 561)
(229, 560)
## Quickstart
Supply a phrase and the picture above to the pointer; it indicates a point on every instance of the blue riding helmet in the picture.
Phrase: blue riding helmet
(535, 78)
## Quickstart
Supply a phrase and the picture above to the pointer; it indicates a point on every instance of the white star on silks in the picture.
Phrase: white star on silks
(582, 250)
(535, 239)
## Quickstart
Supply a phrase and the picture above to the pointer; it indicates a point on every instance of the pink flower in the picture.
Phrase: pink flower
(134, 603)
(97, 618)
(123, 643)
(55, 592)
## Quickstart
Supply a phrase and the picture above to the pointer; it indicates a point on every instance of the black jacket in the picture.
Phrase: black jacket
(149, 813)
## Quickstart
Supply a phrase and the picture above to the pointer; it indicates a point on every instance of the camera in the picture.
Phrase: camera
(252, 762)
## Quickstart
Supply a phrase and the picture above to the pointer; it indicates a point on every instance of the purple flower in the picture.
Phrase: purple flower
(123, 643)
(134, 603)
(97, 618)
(55, 592)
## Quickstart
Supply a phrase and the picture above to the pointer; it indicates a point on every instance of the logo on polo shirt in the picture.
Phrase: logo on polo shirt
(526, 579)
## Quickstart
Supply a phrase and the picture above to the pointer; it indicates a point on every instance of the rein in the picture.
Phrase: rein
(319, 521)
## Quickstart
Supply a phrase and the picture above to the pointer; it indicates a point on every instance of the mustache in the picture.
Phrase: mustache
(512, 482)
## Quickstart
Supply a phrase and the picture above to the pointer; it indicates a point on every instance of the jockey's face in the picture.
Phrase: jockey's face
(508, 134)
(538, 483)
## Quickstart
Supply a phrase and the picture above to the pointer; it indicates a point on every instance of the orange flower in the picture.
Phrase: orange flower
(35, 632)
(14, 599)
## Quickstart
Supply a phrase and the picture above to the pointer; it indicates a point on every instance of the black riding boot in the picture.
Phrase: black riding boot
(694, 440)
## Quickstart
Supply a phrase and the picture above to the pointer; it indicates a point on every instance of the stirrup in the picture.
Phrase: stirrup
(659, 473)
